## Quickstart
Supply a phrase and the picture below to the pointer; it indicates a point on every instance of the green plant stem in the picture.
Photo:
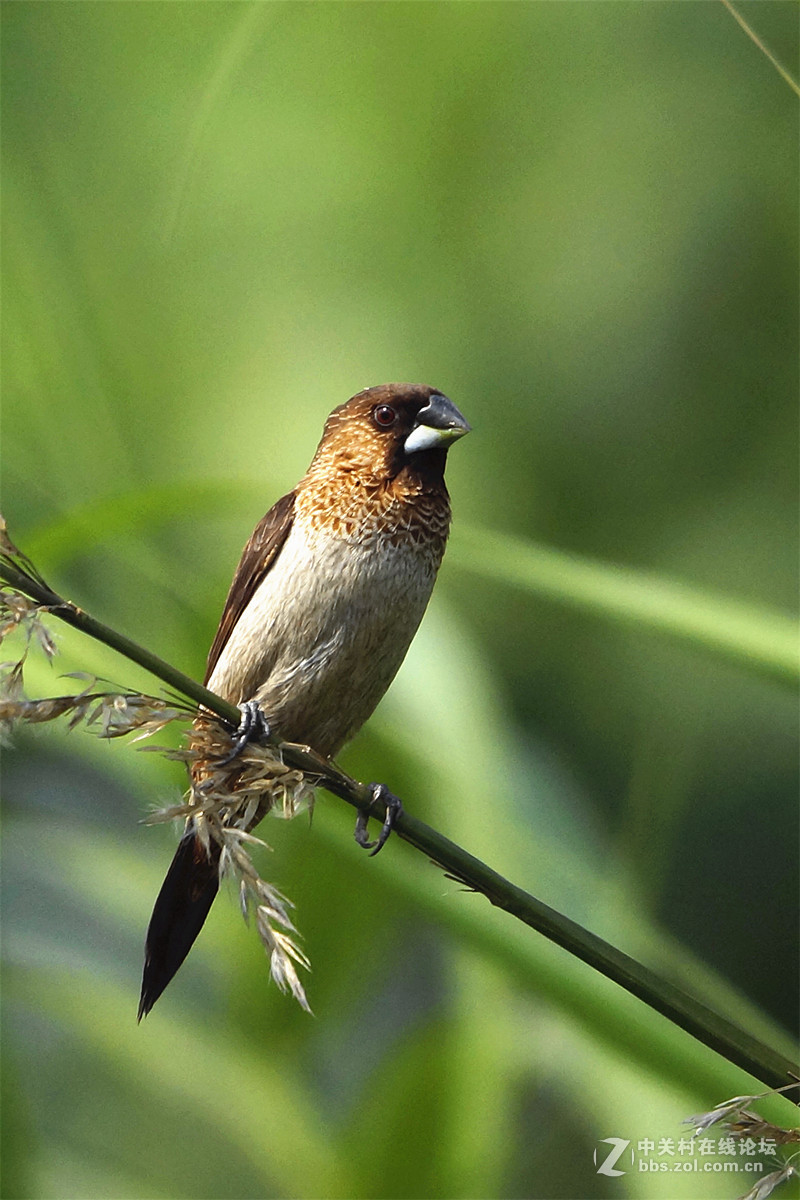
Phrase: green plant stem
(709, 1027)
(751, 33)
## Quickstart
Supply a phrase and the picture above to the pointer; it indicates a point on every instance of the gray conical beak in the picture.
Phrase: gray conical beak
(437, 425)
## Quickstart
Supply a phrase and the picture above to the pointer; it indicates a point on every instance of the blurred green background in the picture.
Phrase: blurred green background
(580, 222)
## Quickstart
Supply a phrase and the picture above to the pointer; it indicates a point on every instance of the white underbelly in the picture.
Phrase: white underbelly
(325, 633)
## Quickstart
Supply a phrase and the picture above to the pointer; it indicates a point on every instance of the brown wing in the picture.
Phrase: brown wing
(257, 557)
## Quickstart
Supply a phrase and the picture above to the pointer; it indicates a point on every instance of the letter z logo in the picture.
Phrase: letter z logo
(618, 1148)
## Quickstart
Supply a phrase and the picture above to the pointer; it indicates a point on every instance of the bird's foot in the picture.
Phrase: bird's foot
(252, 728)
(382, 798)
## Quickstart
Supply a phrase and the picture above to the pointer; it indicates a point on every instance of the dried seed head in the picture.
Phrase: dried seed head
(224, 802)
(767, 1184)
(742, 1123)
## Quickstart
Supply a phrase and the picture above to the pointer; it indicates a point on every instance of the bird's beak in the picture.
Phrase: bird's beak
(437, 425)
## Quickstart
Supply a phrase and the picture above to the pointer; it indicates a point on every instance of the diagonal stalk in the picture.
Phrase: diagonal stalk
(709, 1027)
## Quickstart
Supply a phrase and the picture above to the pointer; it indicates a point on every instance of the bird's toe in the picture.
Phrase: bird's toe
(392, 806)
(253, 727)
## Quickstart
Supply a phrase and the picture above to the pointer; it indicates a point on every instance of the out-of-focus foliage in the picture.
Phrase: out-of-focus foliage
(580, 221)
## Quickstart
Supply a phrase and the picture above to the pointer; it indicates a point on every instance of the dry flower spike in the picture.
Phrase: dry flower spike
(767, 1184)
(224, 797)
(736, 1116)
(740, 1122)
(223, 800)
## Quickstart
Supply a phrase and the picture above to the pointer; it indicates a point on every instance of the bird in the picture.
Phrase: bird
(324, 604)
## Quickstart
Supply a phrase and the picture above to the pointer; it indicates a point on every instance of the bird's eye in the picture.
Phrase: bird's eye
(384, 416)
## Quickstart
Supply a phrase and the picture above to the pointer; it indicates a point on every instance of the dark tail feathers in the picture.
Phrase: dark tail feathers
(182, 906)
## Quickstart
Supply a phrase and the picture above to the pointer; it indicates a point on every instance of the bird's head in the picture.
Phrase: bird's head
(394, 427)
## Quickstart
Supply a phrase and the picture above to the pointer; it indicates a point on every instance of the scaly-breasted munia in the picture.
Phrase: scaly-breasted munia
(327, 596)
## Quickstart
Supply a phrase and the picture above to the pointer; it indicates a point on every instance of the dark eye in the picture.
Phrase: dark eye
(384, 416)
